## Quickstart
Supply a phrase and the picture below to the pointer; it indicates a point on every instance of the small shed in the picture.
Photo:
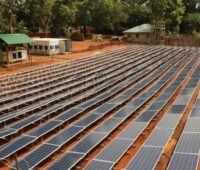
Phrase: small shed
(12, 48)
(140, 34)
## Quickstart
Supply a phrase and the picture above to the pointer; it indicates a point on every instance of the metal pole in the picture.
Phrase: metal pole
(16, 162)
(51, 55)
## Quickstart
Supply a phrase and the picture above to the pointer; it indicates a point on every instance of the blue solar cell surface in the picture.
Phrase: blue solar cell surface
(145, 159)
(36, 156)
(66, 135)
(68, 114)
(44, 128)
(67, 161)
(109, 125)
(181, 161)
(99, 165)
(114, 150)
(88, 143)
(15, 146)
(88, 120)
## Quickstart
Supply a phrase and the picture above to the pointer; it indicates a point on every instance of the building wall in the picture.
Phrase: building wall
(144, 38)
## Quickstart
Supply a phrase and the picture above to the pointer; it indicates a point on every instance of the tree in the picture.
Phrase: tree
(193, 20)
(158, 8)
(45, 15)
(107, 15)
(63, 16)
(192, 7)
(174, 14)
(9, 8)
(139, 12)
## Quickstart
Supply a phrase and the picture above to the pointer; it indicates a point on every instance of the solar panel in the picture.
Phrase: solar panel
(127, 111)
(109, 125)
(132, 131)
(192, 125)
(146, 95)
(6, 132)
(163, 97)
(99, 165)
(197, 104)
(50, 110)
(156, 106)
(183, 161)
(136, 103)
(36, 156)
(88, 120)
(44, 128)
(145, 159)
(25, 122)
(170, 90)
(68, 114)
(188, 143)
(66, 135)
(187, 91)
(177, 109)
(146, 116)
(114, 150)
(68, 161)
(130, 92)
(182, 99)
(105, 108)
(88, 143)
(169, 121)
(88, 103)
(195, 112)
(118, 100)
(154, 88)
(15, 146)
(159, 137)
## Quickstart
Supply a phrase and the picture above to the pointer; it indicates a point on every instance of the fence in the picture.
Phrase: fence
(182, 40)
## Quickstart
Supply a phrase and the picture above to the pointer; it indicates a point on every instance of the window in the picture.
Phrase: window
(56, 46)
(46, 47)
(40, 47)
(19, 55)
(137, 35)
(147, 35)
(14, 55)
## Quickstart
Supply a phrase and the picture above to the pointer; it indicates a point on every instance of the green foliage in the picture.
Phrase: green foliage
(63, 16)
(196, 34)
(158, 8)
(107, 15)
(174, 14)
(104, 16)
(193, 21)
(139, 12)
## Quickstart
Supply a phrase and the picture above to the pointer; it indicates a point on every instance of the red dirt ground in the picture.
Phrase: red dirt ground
(39, 61)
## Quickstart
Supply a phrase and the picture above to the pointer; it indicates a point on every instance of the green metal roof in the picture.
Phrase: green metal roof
(12, 39)
(146, 28)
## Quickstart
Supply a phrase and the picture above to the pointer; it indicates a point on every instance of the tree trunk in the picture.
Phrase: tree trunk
(11, 16)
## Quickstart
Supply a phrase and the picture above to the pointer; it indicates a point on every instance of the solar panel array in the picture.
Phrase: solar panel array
(58, 103)
(186, 154)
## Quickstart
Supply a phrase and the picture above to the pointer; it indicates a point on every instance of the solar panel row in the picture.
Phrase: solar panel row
(162, 133)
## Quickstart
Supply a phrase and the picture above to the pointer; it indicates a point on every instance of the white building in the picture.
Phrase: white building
(50, 46)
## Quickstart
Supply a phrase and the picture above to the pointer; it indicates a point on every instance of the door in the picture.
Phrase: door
(62, 47)
(1, 57)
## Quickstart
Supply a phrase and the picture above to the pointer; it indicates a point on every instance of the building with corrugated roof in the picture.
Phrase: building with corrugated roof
(140, 34)
(12, 48)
